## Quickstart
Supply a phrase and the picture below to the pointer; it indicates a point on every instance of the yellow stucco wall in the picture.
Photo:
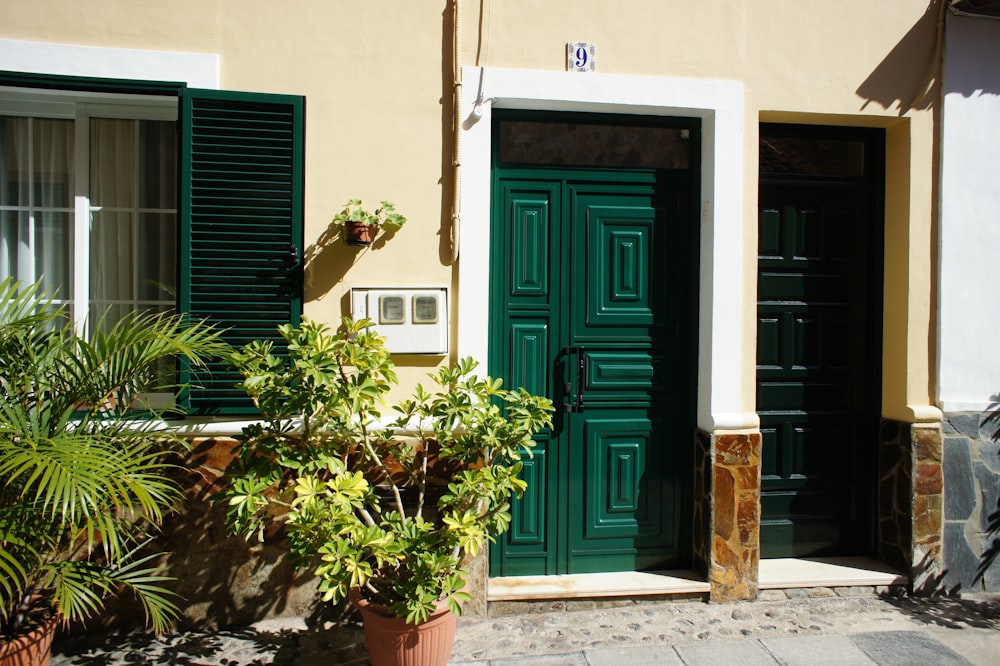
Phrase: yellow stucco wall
(377, 78)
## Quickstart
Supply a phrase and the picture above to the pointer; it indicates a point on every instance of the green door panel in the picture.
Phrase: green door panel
(530, 351)
(592, 304)
(527, 545)
(617, 256)
(623, 485)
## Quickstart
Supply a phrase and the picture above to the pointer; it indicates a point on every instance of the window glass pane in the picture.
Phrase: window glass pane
(15, 169)
(112, 163)
(37, 248)
(811, 156)
(112, 258)
(52, 162)
(14, 243)
(157, 264)
(36, 162)
(53, 252)
(157, 164)
(585, 144)
(102, 316)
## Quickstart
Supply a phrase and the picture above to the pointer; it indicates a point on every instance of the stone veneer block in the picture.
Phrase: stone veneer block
(960, 500)
(926, 561)
(735, 528)
(989, 506)
(895, 522)
(991, 576)
(964, 423)
(989, 453)
(701, 523)
(963, 563)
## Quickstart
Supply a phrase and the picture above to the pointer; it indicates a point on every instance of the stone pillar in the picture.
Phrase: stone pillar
(734, 516)
(928, 487)
(910, 502)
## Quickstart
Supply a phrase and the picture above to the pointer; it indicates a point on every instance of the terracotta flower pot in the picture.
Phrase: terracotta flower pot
(32, 648)
(358, 233)
(393, 642)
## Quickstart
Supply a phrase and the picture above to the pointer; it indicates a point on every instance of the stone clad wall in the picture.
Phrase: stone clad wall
(971, 502)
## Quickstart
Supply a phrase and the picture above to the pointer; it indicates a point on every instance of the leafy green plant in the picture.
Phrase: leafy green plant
(83, 482)
(391, 510)
(384, 215)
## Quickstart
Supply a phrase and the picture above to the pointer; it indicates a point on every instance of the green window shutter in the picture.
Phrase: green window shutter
(242, 161)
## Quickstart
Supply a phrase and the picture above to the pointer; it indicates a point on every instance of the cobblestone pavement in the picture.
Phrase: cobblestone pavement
(857, 630)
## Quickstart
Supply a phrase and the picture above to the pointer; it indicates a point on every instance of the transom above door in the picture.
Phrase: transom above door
(593, 278)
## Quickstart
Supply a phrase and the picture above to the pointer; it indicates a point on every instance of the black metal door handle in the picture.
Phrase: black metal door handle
(573, 403)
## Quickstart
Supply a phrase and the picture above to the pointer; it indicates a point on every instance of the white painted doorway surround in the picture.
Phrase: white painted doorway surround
(719, 105)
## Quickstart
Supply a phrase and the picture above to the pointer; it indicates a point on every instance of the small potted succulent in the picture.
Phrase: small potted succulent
(383, 510)
(359, 226)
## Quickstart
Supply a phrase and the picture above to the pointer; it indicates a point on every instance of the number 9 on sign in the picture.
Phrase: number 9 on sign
(580, 57)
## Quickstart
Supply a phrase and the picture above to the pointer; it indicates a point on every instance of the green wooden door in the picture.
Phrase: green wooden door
(819, 288)
(593, 283)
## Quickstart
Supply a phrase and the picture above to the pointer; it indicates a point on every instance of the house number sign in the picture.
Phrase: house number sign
(581, 57)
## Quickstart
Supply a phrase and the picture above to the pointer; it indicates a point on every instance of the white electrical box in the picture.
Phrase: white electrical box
(413, 321)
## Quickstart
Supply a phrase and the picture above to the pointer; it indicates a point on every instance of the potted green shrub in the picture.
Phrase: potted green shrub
(359, 226)
(83, 483)
(386, 513)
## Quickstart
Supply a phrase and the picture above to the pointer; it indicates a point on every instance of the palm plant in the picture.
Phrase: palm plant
(83, 482)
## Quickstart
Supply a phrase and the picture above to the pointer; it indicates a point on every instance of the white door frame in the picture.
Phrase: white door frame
(719, 105)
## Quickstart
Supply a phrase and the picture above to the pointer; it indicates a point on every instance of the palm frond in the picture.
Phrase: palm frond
(141, 578)
(76, 476)
(78, 588)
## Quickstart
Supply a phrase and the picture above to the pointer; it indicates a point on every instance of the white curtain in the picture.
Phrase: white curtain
(36, 202)
(112, 218)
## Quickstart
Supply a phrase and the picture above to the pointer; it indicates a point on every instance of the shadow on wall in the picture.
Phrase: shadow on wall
(972, 47)
(223, 581)
(329, 259)
(907, 75)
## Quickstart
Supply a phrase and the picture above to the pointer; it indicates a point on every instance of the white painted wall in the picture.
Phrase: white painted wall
(969, 229)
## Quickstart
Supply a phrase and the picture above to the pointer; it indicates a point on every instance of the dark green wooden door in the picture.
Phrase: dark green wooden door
(819, 289)
(593, 283)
